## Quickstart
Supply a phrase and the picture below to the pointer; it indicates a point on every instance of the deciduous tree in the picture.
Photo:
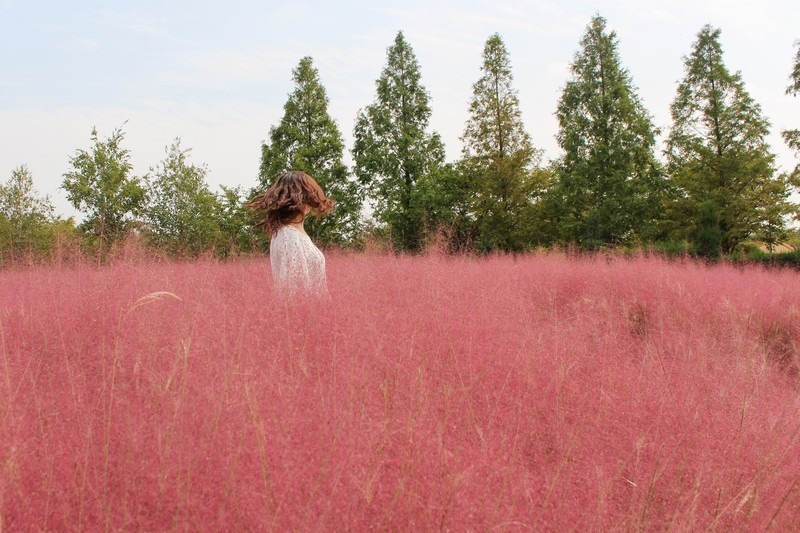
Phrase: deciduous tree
(394, 151)
(25, 216)
(235, 223)
(101, 186)
(181, 211)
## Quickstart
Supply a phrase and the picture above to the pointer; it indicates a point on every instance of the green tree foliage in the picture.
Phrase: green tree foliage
(308, 139)
(394, 152)
(708, 240)
(26, 218)
(792, 137)
(100, 185)
(499, 161)
(794, 85)
(445, 198)
(609, 183)
(181, 212)
(717, 149)
(235, 225)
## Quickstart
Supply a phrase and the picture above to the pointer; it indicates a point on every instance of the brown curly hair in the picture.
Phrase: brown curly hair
(283, 202)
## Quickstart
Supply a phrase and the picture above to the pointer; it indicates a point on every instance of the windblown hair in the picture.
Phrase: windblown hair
(283, 202)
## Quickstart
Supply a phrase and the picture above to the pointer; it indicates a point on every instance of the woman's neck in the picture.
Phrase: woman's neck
(297, 225)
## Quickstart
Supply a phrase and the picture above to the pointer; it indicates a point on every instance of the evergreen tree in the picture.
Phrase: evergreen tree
(181, 211)
(792, 137)
(394, 152)
(794, 85)
(717, 149)
(609, 181)
(708, 241)
(101, 186)
(446, 199)
(308, 139)
(498, 158)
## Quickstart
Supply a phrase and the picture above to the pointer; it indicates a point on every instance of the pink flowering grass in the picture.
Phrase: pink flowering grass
(430, 393)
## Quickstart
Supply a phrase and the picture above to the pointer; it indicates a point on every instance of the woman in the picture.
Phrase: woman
(298, 267)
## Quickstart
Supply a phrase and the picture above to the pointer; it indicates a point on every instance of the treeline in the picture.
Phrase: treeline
(715, 187)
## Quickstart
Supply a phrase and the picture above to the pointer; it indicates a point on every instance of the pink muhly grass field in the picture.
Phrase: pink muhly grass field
(541, 392)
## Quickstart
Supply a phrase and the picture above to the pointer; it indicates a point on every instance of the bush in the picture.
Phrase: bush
(751, 253)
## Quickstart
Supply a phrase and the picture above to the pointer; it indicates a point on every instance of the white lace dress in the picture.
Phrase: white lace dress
(298, 266)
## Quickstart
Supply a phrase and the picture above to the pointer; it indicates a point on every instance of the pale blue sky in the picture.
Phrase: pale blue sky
(218, 73)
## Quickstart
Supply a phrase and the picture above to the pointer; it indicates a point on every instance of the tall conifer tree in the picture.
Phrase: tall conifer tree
(717, 150)
(792, 137)
(498, 157)
(393, 149)
(308, 139)
(609, 181)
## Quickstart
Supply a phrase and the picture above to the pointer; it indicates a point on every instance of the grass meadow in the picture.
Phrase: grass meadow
(542, 393)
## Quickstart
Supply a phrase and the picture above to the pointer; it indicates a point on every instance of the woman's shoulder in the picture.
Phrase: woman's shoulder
(287, 233)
